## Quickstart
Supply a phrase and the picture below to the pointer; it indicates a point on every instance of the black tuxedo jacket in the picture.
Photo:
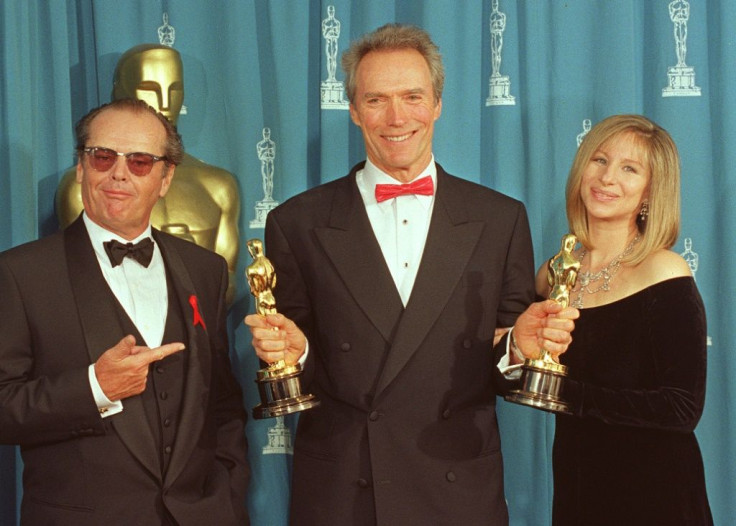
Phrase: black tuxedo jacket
(57, 315)
(406, 432)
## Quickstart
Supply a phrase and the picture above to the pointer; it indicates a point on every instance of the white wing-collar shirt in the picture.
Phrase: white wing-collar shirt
(141, 291)
(400, 224)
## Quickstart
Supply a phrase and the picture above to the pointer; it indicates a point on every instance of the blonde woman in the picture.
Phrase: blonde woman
(637, 363)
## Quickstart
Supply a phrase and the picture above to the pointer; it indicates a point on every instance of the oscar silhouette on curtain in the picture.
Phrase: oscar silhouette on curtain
(115, 378)
(203, 202)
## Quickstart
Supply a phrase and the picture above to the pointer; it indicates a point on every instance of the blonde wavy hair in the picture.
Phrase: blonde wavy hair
(662, 226)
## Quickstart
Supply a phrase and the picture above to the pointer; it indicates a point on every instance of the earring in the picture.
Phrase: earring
(644, 212)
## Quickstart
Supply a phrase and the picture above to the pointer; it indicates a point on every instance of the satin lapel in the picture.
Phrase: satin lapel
(196, 392)
(102, 330)
(352, 247)
(450, 243)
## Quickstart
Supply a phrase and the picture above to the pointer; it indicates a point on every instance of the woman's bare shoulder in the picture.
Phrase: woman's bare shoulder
(662, 265)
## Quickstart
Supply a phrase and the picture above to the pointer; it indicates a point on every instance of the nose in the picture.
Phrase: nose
(119, 171)
(607, 174)
(396, 113)
(163, 96)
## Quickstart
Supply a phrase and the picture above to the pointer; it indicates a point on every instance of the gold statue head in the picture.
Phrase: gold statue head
(152, 73)
(568, 243)
(255, 248)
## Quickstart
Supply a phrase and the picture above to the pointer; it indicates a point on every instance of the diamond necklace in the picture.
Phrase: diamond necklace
(606, 274)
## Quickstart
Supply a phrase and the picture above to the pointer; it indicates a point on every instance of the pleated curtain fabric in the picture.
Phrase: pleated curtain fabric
(525, 80)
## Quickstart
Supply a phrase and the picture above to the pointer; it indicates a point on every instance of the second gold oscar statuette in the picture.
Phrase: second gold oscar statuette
(542, 379)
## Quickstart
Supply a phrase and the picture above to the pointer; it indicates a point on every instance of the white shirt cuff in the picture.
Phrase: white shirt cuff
(511, 372)
(105, 406)
(303, 357)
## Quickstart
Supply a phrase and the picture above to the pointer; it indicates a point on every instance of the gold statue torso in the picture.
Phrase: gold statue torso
(563, 271)
(262, 278)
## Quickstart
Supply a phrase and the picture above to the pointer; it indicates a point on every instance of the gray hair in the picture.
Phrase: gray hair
(391, 37)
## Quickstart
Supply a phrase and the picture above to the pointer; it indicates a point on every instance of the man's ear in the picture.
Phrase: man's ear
(354, 115)
(80, 170)
(166, 181)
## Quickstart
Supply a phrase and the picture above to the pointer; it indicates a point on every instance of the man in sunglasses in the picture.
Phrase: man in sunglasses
(115, 378)
(203, 204)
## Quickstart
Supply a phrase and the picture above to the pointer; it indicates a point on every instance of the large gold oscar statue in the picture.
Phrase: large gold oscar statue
(203, 202)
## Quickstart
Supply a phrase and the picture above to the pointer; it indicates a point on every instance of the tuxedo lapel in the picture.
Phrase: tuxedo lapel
(96, 305)
(450, 243)
(195, 398)
(352, 247)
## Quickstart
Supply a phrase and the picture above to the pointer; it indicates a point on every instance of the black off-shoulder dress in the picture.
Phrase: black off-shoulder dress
(628, 456)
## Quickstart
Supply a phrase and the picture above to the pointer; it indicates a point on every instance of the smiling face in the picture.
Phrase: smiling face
(116, 199)
(395, 108)
(615, 181)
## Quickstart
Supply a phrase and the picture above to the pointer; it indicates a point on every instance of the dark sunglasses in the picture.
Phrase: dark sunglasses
(139, 163)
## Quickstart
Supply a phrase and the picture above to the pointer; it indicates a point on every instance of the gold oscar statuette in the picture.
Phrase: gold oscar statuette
(542, 379)
(278, 384)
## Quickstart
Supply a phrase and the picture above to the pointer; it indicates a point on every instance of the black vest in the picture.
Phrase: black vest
(165, 385)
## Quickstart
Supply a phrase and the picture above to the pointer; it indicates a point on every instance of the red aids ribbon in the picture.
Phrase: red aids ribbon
(423, 186)
(197, 316)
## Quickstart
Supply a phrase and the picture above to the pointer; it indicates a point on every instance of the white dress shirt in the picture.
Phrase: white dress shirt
(141, 291)
(400, 224)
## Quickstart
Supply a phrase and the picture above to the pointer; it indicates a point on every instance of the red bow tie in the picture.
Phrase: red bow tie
(423, 186)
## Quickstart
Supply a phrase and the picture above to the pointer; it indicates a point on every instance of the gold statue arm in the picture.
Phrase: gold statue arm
(224, 192)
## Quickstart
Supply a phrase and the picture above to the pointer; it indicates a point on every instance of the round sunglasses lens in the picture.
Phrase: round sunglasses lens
(102, 160)
(139, 163)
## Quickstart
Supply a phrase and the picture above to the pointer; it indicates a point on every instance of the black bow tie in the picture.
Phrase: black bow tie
(142, 251)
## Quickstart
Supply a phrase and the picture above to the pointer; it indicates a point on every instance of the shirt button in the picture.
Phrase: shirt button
(405, 222)
(467, 344)
(374, 416)
(406, 264)
(362, 483)
(167, 450)
(167, 422)
(451, 477)
(345, 347)
(446, 414)
(164, 395)
(159, 369)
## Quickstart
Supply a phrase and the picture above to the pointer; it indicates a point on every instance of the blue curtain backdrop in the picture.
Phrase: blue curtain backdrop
(516, 100)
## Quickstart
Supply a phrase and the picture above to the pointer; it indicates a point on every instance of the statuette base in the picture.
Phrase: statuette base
(280, 392)
(541, 387)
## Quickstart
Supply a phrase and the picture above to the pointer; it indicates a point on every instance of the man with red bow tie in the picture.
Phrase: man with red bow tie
(392, 282)
(115, 378)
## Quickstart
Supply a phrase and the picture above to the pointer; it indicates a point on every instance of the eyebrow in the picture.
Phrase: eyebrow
(625, 160)
(370, 94)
